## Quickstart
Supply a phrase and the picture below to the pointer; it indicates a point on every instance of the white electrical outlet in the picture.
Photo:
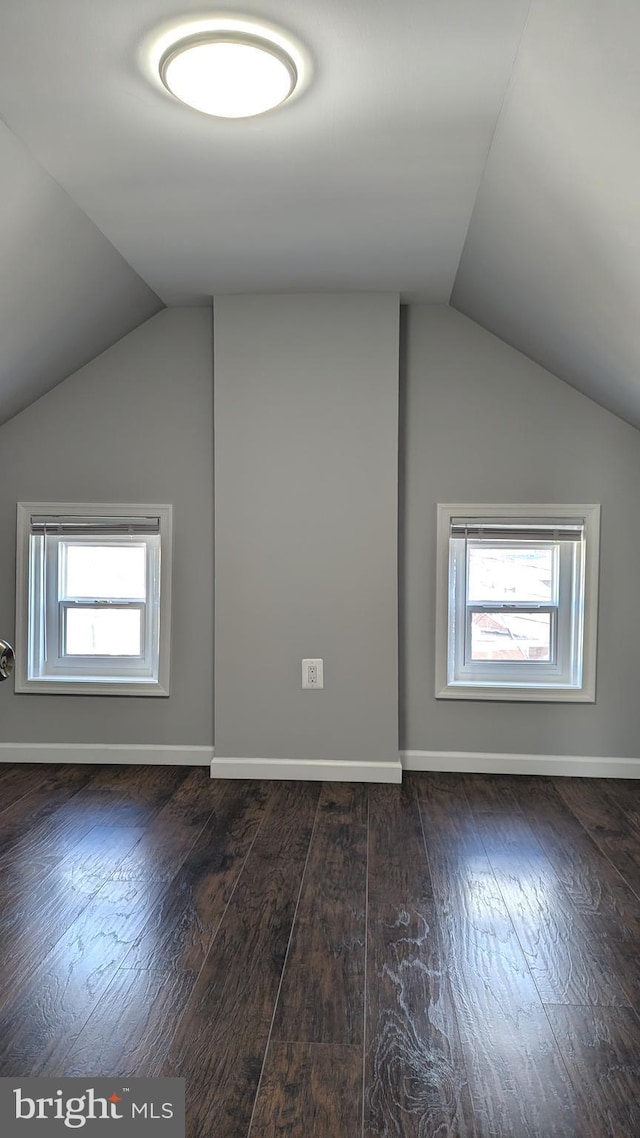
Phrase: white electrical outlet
(312, 674)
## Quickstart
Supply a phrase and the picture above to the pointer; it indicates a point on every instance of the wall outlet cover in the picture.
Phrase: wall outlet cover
(312, 674)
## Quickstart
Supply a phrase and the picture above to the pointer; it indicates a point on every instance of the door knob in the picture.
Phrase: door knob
(7, 660)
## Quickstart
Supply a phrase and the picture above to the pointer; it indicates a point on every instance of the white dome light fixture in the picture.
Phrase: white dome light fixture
(229, 74)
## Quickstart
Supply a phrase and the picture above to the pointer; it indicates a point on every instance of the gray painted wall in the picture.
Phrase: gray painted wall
(306, 415)
(479, 422)
(133, 425)
(65, 293)
(307, 565)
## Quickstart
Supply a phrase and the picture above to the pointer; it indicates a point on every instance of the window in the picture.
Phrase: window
(93, 599)
(516, 602)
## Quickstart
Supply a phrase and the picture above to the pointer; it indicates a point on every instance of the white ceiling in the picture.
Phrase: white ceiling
(366, 182)
(65, 293)
(552, 259)
(424, 121)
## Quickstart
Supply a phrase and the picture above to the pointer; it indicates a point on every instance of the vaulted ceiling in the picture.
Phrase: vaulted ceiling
(483, 154)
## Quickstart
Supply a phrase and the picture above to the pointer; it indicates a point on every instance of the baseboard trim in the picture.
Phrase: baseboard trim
(479, 762)
(308, 770)
(138, 753)
(465, 762)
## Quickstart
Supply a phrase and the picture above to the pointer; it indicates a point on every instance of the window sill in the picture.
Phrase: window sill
(75, 686)
(512, 693)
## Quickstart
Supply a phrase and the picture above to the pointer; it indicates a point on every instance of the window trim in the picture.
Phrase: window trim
(474, 690)
(92, 685)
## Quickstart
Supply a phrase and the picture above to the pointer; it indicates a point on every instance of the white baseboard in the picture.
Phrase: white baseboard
(479, 762)
(323, 770)
(138, 753)
(466, 762)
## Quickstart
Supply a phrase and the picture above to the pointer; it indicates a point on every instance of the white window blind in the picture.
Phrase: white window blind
(70, 525)
(520, 529)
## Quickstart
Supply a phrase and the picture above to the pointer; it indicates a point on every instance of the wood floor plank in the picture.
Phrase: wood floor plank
(558, 945)
(33, 922)
(41, 1021)
(39, 812)
(626, 957)
(415, 1075)
(625, 793)
(491, 793)
(450, 785)
(35, 916)
(40, 849)
(182, 928)
(14, 785)
(517, 1080)
(322, 995)
(100, 851)
(130, 1030)
(601, 1047)
(174, 829)
(18, 779)
(68, 777)
(127, 795)
(606, 823)
(9, 771)
(595, 887)
(310, 1091)
(222, 1036)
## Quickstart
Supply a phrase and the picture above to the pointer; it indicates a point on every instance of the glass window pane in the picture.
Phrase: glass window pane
(511, 636)
(104, 632)
(105, 571)
(511, 573)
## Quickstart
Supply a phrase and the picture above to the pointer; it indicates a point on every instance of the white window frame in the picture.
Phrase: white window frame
(39, 617)
(570, 676)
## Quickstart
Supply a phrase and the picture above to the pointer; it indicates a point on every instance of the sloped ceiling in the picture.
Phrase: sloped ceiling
(552, 259)
(485, 148)
(65, 293)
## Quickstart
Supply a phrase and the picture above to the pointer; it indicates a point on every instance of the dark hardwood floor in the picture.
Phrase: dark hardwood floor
(456, 956)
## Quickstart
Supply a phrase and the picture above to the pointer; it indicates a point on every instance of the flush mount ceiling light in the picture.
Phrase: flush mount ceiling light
(228, 74)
